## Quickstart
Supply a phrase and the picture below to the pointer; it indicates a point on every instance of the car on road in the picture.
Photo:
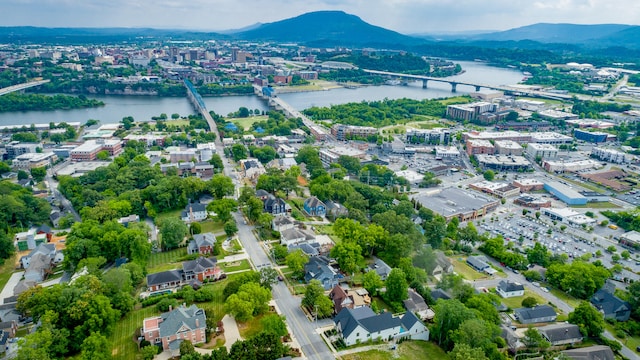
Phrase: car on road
(280, 278)
(545, 289)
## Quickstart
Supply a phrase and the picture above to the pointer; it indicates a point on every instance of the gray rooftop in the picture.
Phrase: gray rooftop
(451, 201)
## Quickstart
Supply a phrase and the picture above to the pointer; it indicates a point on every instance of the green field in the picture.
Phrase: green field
(124, 347)
(516, 302)
(6, 270)
(212, 226)
(408, 350)
(463, 269)
(235, 266)
(166, 260)
(246, 123)
(597, 205)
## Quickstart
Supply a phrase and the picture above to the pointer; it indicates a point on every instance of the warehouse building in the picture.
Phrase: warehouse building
(565, 193)
(458, 203)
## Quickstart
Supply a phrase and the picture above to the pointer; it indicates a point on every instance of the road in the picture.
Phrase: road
(53, 187)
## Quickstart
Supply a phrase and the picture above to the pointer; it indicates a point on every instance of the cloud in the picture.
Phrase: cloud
(408, 16)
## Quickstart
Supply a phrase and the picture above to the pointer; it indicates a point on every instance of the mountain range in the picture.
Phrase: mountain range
(337, 28)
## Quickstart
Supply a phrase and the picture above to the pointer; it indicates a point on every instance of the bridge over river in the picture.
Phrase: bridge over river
(19, 87)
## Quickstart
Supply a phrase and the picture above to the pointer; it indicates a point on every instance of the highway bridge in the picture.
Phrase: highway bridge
(454, 85)
(10, 89)
(199, 105)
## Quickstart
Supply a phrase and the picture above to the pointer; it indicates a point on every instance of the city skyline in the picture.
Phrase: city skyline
(405, 16)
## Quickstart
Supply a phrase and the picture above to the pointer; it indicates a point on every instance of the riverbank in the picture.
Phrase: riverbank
(317, 85)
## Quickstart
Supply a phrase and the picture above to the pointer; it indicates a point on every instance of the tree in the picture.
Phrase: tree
(449, 315)
(102, 155)
(489, 175)
(625, 254)
(296, 261)
(223, 208)
(239, 152)
(274, 324)
(268, 277)
(533, 339)
(537, 214)
(348, 255)
(230, 227)
(7, 248)
(220, 186)
(529, 302)
(588, 318)
(195, 228)
(372, 282)
(463, 351)
(312, 292)
(96, 347)
(250, 300)
(396, 285)
(39, 173)
(149, 352)
(22, 175)
(186, 348)
(173, 231)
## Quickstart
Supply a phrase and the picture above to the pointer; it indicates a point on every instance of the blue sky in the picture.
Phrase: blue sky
(406, 16)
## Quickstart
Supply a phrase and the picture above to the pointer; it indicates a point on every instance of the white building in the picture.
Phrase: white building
(447, 152)
(610, 155)
(544, 151)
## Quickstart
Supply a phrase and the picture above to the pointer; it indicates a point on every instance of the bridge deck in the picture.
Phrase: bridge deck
(13, 88)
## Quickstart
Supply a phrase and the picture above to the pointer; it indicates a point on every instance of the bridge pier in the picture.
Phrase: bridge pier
(478, 88)
(453, 87)
(424, 83)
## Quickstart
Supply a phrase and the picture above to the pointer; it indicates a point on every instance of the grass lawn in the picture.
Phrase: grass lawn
(6, 270)
(251, 327)
(327, 230)
(212, 226)
(516, 302)
(166, 260)
(235, 266)
(586, 185)
(246, 123)
(461, 268)
(456, 100)
(124, 348)
(380, 303)
(408, 350)
(573, 302)
(632, 342)
(168, 214)
(597, 205)
(178, 122)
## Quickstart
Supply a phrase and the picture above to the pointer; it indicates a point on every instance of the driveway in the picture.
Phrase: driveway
(8, 288)
(231, 332)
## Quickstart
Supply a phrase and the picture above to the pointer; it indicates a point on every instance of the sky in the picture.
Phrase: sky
(405, 16)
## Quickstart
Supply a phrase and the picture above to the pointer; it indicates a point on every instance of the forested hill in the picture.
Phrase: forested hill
(336, 27)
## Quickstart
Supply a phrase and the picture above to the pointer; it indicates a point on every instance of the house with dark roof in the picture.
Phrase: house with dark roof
(596, 352)
(201, 269)
(262, 194)
(362, 324)
(194, 212)
(202, 244)
(318, 268)
(309, 249)
(611, 306)
(276, 206)
(380, 267)
(508, 289)
(175, 326)
(561, 334)
(164, 280)
(314, 207)
(439, 294)
(537, 314)
(477, 263)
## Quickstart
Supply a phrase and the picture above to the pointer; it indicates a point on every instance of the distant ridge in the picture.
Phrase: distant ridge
(330, 27)
(555, 33)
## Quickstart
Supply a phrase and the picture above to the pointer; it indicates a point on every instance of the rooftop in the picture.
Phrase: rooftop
(452, 201)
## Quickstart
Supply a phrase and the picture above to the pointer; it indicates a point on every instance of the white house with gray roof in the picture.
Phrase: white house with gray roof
(362, 324)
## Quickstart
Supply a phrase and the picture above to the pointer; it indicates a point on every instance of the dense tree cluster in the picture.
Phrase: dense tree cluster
(265, 345)
(579, 278)
(26, 102)
(628, 220)
(19, 208)
(495, 248)
(379, 113)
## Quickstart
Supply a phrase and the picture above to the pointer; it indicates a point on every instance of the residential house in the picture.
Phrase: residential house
(125, 221)
(439, 294)
(380, 267)
(596, 352)
(164, 280)
(262, 194)
(276, 206)
(309, 249)
(55, 217)
(47, 249)
(611, 306)
(194, 212)
(201, 244)
(508, 289)
(415, 303)
(39, 266)
(318, 268)
(294, 236)
(477, 263)
(282, 163)
(335, 210)
(252, 169)
(362, 324)
(282, 223)
(537, 314)
(175, 326)
(443, 265)
(561, 334)
(10, 327)
(314, 207)
(348, 298)
(197, 270)
(201, 269)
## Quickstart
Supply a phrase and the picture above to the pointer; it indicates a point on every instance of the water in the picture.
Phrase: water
(142, 108)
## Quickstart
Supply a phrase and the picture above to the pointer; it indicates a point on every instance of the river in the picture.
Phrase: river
(142, 108)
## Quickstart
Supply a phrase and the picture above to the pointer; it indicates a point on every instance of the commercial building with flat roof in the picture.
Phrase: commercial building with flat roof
(530, 201)
(33, 160)
(568, 216)
(454, 202)
(550, 137)
(544, 151)
(565, 193)
(469, 112)
(330, 156)
(475, 147)
(507, 147)
(494, 188)
(592, 137)
(570, 166)
(428, 136)
(631, 239)
(344, 132)
(503, 162)
(528, 184)
(497, 135)
(610, 155)
(447, 152)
